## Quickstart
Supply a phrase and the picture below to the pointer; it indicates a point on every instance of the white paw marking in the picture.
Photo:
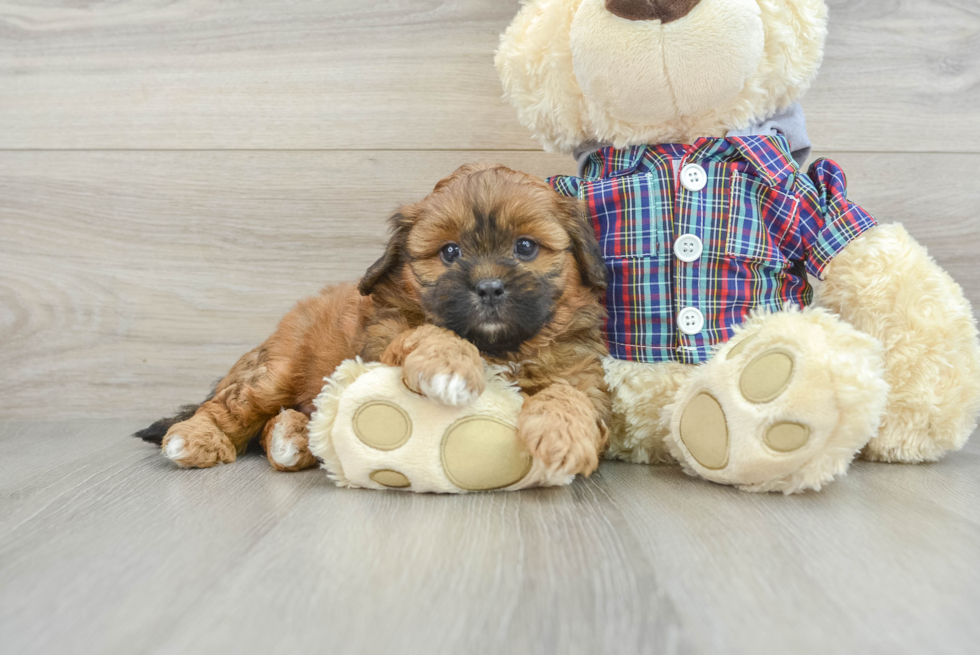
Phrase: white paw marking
(449, 389)
(175, 448)
(284, 451)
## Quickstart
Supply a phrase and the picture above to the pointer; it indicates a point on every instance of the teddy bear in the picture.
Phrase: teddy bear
(763, 328)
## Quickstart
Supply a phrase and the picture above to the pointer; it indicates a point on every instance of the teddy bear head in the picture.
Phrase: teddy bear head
(634, 72)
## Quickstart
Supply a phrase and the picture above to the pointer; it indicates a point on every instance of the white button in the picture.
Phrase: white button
(688, 247)
(690, 320)
(693, 177)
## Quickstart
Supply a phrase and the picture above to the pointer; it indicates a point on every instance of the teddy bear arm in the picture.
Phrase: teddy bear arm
(885, 284)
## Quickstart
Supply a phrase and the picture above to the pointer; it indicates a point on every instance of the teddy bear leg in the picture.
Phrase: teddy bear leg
(286, 442)
(640, 393)
(885, 284)
(784, 406)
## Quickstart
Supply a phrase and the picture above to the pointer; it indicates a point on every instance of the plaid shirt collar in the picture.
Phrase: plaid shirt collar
(769, 156)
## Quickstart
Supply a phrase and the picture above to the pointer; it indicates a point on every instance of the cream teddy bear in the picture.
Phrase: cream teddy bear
(681, 114)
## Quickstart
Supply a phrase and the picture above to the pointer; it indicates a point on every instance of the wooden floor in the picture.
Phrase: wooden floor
(175, 174)
(106, 548)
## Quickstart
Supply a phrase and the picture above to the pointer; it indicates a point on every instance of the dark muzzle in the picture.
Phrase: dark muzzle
(665, 11)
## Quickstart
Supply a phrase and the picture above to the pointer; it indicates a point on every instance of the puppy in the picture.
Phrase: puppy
(492, 265)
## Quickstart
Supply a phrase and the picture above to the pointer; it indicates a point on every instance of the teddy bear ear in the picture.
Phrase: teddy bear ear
(534, 61)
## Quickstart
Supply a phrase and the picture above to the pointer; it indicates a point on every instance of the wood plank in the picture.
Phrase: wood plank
(898, 76)
(146, 558)
(109, 550)
(130, 281)
(355, 74)
(866, 565)
(63, 444)
(553, 571)
(118, 550)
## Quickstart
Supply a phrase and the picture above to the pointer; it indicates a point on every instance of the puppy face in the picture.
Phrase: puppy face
(489, 254)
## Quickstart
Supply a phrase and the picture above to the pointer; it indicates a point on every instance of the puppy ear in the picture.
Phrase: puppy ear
(585, 248)
(400, 224)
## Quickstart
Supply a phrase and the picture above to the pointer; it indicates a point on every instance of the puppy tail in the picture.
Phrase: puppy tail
(156, 432)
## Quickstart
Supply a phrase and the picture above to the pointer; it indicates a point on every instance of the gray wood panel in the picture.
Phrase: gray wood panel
(875, 563)
(129, 281)
(417, 74)
(106, 548)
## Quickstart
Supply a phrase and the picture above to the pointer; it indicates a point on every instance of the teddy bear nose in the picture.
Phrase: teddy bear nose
(665, 11)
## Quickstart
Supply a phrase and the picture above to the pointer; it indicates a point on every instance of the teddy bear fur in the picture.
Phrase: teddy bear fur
(541, 76)
(887, 365)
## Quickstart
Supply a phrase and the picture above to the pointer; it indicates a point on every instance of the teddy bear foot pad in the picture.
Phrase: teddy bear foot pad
(477, 453)
(704, 429)
(371, 431)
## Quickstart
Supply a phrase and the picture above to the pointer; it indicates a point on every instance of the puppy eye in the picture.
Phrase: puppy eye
(526, 249)
(450, 253)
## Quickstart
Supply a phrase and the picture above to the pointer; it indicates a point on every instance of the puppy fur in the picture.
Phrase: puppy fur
(420, 309)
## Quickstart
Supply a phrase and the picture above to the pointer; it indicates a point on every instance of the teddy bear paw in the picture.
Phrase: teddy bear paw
(741, 433)
(704, 429)
(783, 409)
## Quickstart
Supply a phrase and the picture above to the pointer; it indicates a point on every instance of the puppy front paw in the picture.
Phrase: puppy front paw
(450, 389)
(198, 443)
(444, 368)
(559, 427)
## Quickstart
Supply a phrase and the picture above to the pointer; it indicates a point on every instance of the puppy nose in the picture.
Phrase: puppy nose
(666, 11)
(490, 291)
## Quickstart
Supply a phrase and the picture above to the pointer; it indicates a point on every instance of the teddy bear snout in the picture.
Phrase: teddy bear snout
(666, 11)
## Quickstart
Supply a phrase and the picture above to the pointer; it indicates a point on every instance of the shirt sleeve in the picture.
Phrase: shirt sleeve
(828, 220)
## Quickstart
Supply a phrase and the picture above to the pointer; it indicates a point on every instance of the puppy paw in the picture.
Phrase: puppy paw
(197, 443)
(449, 388)
(559, 427)
(444, 368)
(286, 442)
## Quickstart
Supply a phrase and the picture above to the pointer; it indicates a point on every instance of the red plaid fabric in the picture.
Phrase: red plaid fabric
(762, 225)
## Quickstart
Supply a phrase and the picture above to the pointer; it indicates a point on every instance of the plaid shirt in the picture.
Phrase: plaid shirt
(762, 225)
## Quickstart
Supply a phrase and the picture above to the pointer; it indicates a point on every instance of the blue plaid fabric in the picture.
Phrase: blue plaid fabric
(762, 223)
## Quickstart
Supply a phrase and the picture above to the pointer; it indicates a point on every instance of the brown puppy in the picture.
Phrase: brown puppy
(492, 265)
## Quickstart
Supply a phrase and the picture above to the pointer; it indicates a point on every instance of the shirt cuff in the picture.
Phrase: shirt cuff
(835, 236)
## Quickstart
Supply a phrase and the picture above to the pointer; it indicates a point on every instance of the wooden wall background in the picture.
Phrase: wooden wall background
(174, 174)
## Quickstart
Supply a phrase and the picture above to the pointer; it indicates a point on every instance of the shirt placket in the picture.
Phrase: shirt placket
(692, 185)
